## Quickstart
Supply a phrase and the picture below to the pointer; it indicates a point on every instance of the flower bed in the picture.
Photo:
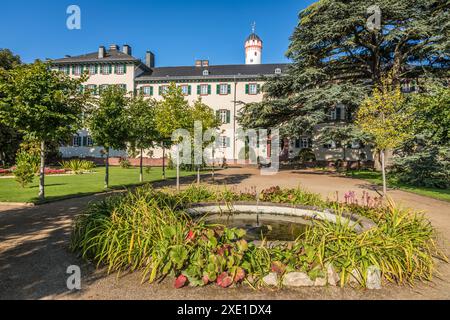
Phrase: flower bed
(5, 172)
(150, 231)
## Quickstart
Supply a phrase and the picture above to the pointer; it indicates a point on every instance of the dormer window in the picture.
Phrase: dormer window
(277, 71)
(205, 72)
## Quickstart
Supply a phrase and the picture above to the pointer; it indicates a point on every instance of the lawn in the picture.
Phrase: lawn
(57, 187)
(375, 177)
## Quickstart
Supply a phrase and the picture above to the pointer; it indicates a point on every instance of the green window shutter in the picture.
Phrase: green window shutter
(198, 89)
(229, 89)
(160, 90)
(82, 69)
(228, 116)
(110, 68)
(73, 69)
(247, 88)
(79, 141)
(189, 90)
(259, 88)
(218, 89)
(96, 68)
(124, 69)
(151, 90)
(218, 114)
(209, 89)
(84, 141)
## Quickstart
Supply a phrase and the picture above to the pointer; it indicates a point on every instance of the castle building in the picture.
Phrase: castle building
(225, 88)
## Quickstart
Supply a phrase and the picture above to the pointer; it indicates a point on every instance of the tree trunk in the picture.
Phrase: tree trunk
(198, 175)
(178, 170)
(383, 170)
(164, 162)
(42, 173)
(141, 172)
(107, 169)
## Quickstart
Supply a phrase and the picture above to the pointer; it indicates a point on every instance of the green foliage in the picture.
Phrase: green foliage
(125, 163)
(149, 231)
(8, 60)
(25, 170)
(424, 159)
(143, 126)
(78, 166)
(306, 155)
(336, 60)
(108, 122)
(385, 116)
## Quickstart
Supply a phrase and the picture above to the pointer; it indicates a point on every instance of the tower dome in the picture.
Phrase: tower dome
(253, 48)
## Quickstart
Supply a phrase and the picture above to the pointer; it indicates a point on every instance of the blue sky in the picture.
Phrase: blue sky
(178, 32)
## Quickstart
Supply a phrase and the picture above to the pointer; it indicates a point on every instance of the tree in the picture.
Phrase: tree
(9, 138)
(424, 159)
(203, 113)
(338, 59)
(143, 132)
(41, 104)
(109, 122)
(386, 118)
(171, 113)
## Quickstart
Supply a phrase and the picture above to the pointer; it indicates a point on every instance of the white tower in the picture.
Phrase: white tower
(253, 48)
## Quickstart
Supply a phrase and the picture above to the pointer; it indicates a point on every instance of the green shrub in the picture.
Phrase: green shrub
(306, 155)
(125, 163)
(25, 169)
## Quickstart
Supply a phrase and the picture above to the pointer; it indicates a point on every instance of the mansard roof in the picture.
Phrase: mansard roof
(214, 72)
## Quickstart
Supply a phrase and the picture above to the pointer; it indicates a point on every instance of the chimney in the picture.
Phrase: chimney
(101, 52)
(198, 63)
(205, 63)
(126, 49)
(113, 47)
(202, 63)
(150, 59)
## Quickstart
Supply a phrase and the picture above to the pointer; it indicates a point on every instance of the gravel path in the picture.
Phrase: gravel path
(34, 252)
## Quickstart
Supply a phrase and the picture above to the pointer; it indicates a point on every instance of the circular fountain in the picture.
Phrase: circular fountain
(272, 221)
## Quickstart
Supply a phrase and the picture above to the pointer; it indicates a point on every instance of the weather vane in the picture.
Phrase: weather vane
(253, 27)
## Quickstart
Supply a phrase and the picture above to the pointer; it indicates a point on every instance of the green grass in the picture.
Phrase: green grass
(375, 177)
(58, 187)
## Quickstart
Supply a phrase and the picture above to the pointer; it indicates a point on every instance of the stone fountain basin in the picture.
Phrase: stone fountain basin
(282, 212)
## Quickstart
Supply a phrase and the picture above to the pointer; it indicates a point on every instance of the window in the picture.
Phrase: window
(89, 141)
(92, 69)
(76, 142)
(330, 145)
(223, 89)
(147, 90)
(223, 142)
(163, 90)
(77, 70)
(186, 90)
(336, 114)
(102, 88)
(224, 116)
(120, 69)
(252, 88)
(302, 143)
(205, 72)
(92, 89)
(106, 69)
(204, 89)
(122, 86)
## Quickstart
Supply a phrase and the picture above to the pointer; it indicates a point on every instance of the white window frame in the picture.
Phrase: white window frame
(89, 141)
(147, 91)
(75, 141)
(120, 69)
(223, 89)
(185, 89)
(277, 71)
(104, 69)
(253, 88)
(223, 113)
(77, 70)
(91, 69)
(204, 89)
